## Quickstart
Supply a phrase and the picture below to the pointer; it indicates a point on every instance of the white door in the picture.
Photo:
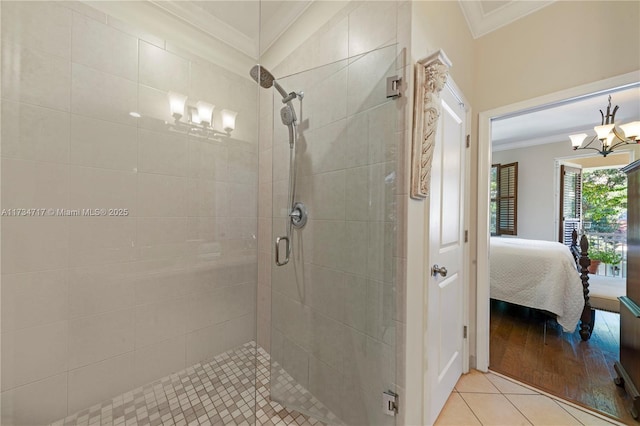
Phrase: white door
(445, 291)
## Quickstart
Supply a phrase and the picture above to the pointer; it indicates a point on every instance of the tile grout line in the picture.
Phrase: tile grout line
(566, 411)
(471, 409)
(559, 400)
(517, 409)
(505, 395)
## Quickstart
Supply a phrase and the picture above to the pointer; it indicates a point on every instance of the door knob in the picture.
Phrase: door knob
(435, 270)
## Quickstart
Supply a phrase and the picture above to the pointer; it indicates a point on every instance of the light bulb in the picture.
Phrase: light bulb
(603, 131)
(205, 112)
(576, 140)
(176, 104)
(631, 130)
(228, 120)
(608, 140)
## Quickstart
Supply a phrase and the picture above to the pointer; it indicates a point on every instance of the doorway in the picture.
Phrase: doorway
(484, 167)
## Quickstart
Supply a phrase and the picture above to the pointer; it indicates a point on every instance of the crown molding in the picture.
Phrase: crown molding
(481, 23)
(278, 23)
(209, 24)
(271, 28)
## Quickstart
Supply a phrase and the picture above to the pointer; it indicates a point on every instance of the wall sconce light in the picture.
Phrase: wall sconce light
(205, 112)
(228, 120)
(177, 102)
(199, 120)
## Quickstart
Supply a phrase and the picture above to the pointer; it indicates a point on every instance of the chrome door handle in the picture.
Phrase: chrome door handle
(286, 258)
(435, 270)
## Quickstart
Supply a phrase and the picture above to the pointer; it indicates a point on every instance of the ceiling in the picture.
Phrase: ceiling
(251, 26)
(485, 16)
(554, 123)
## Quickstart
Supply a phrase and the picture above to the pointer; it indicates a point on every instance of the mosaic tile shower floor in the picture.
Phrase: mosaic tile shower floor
(219, 392)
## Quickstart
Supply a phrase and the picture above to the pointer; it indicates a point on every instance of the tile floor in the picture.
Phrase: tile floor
(492, 399)
(219, 392)
(222, 392)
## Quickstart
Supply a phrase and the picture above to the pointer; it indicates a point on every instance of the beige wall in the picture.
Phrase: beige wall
(441, 25)
(434, 25)
(612, 160)
(561, 46)
(538, 183)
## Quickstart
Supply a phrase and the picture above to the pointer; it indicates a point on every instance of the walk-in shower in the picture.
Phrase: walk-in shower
(297, 214)
(171, 310)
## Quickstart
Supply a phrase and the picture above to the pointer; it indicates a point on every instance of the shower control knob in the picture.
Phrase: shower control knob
(298, 215)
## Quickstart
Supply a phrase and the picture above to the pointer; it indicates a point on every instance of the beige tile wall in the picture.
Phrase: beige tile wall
(336, 309)
(93, 306)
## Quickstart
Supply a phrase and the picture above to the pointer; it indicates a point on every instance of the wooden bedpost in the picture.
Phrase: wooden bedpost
(587, 319)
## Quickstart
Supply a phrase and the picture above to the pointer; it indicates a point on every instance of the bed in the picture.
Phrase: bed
(543, 275)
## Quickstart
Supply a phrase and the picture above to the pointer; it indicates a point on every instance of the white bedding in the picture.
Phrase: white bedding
(537, 274)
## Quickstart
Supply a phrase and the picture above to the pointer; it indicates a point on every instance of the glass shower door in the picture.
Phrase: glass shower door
(333, 331)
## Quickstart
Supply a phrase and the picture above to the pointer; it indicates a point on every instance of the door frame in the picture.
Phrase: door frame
(484, 168)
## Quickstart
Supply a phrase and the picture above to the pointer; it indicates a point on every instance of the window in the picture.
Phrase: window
(504, 199)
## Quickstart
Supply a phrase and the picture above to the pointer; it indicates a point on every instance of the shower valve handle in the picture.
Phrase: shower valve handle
(286, 258)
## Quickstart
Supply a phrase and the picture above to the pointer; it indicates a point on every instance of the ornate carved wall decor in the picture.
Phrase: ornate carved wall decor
(431, 76)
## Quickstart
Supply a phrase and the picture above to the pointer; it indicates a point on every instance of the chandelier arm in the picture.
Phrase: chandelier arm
(588, 147)
(615, 132)
(590, 142)
(624, 142)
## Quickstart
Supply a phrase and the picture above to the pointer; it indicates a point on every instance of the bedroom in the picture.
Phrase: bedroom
(537, 140)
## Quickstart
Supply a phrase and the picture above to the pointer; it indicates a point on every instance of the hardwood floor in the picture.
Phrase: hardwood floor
(565, 366)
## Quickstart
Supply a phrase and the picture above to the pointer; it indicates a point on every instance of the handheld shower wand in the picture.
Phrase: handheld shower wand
(297, 214)
(266, 80)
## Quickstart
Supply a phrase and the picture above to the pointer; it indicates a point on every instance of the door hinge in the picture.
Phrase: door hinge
(390, 403)
(468, 141)
(466, 236)
(464, 332)
(393, 86)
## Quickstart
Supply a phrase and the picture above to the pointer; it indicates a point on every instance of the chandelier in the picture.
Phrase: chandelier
(608, 137)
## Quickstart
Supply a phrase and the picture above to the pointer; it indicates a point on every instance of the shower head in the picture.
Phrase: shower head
(265, 79)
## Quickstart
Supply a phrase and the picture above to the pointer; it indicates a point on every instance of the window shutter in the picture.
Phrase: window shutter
(493, 205)
(507, 216)
(571, 205)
